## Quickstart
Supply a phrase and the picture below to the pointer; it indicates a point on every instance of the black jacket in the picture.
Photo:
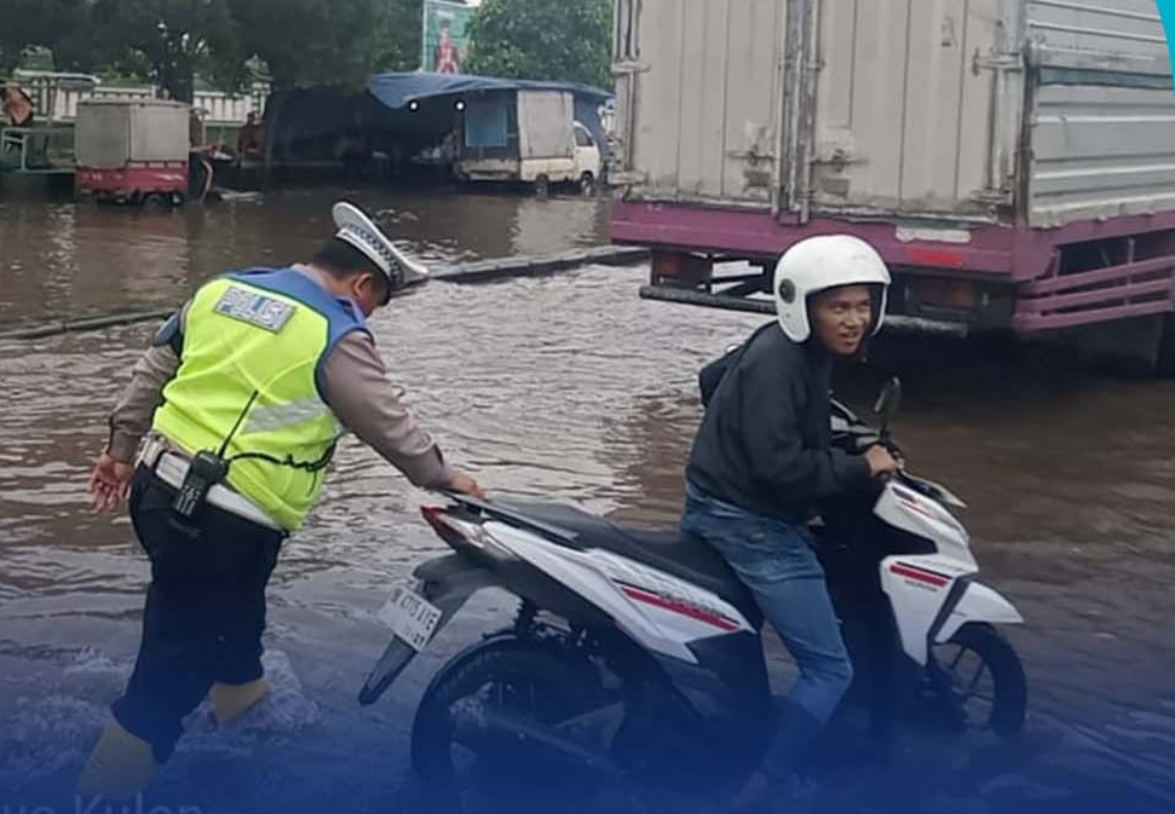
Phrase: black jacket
(764, 443)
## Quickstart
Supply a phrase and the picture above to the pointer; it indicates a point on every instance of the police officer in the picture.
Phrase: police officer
(242, 397)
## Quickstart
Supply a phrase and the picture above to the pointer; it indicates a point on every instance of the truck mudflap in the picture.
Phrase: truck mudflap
(446, 582)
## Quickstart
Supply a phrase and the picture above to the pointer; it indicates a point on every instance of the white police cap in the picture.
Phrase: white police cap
(357, 229)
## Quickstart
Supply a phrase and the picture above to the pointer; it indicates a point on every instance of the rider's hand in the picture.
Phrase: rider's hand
(881, 462)
(109, 483)
(460, 482)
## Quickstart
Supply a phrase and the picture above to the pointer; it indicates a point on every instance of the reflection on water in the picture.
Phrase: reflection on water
(574, 388)
(65, 258)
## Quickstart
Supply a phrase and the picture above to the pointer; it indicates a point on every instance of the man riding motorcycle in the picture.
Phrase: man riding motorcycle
(762, 461)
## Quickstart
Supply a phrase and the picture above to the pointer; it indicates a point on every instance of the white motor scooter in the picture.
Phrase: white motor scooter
(639, 651)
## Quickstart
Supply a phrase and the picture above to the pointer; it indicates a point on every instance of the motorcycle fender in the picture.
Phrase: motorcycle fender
(446, 582)
(978, 604)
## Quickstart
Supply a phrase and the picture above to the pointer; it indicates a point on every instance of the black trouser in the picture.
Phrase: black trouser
(205, 610)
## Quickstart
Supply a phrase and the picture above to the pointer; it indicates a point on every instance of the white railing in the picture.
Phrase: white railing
(42, 150)
(57, 101)
(218, 108)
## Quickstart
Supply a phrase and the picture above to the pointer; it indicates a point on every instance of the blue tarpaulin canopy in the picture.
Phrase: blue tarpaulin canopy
(397, 90)
(485, 124)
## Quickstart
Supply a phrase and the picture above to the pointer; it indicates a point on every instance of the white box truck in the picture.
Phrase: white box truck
(1013, 160)
(132, 150)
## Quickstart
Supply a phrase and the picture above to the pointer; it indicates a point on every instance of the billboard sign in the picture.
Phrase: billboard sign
(443, 43)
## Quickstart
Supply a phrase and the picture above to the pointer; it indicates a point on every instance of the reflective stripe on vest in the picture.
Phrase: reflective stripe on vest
(263, 332)
(285, 415)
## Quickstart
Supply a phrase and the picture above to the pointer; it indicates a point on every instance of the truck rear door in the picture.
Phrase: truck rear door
(917, 110)
(700, 98)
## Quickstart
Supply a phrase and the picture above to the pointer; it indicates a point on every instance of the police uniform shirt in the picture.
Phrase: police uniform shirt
(356, 388)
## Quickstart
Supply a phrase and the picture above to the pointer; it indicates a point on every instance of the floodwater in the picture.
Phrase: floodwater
(571, 387)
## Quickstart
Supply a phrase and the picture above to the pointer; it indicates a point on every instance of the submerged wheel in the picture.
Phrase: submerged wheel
(587, 184)
(457, 752)
(542, 186)
(1165, 358)
(157, 201)
(986, 679)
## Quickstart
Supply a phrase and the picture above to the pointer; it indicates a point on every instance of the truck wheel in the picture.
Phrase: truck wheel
(587, 184)
(1165, 360)
(157, 201)
(542, 186)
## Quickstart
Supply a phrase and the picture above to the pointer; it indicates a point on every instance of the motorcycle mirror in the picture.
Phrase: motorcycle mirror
(890, 399)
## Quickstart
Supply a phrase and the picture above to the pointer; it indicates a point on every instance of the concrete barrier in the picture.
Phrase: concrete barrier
(93, 322)
(476, 272)
(481, 271)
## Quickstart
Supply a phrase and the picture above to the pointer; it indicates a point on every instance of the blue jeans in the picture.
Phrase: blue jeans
(776, 562)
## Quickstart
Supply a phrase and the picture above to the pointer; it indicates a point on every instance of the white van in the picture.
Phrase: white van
(532, 137)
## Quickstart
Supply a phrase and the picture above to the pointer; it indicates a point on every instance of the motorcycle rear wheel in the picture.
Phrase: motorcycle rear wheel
(528, 681)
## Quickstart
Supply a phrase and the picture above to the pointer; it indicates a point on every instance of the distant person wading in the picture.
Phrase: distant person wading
(18, 107)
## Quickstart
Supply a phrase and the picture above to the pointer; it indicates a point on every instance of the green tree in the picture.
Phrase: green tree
(397, 40)
(58, 25)
(301, 42)
(168, 40)
(568, 40)
(328, 42)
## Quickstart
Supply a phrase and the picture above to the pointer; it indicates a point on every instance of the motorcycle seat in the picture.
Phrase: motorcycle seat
(681, 555)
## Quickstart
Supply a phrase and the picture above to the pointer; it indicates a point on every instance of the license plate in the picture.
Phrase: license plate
(411, 617)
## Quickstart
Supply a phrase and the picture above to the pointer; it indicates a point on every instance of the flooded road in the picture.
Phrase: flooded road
(569, 387)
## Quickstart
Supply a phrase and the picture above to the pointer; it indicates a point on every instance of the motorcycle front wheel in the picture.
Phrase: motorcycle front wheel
(987, 685)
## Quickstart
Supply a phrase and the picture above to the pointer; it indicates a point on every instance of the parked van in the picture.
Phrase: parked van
(528, 136)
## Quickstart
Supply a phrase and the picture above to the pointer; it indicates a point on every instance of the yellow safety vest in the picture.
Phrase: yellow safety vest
(251, 374)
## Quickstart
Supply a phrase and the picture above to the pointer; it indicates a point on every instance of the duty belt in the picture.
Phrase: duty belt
(172, 467)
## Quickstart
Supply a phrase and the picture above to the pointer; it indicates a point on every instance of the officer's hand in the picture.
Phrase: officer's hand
(881, 462)
(460, 482)
(109, 483)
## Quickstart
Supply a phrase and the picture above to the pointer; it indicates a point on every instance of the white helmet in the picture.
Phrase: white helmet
(356, 228)
(818, 264)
